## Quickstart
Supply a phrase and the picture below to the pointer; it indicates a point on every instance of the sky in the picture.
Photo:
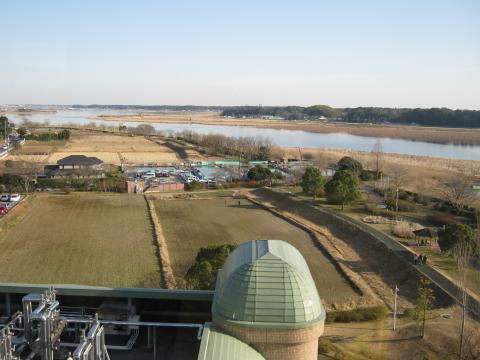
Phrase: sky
(409, 53)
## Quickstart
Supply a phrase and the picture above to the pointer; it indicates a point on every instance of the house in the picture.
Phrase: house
(80, 162)
(76, 166)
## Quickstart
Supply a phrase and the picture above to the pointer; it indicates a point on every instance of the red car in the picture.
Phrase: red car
(3, 209)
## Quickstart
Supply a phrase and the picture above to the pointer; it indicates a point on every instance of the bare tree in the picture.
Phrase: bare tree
(29, 171)
(378, 159)
(471, 344)
(462, 256)
(396, 179)
(458, 190)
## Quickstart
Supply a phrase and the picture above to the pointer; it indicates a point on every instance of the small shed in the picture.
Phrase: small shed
(425, 236)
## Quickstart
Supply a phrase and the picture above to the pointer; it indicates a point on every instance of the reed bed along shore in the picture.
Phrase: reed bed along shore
(407, 132)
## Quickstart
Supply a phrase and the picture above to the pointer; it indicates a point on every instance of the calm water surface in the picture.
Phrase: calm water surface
(290, 138)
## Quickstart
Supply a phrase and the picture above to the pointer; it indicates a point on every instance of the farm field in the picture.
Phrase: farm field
(80, 238)
(114, 148)
(110, 148)
(212, 221)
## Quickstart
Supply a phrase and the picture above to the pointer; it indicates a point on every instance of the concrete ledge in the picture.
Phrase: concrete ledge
(98, 291)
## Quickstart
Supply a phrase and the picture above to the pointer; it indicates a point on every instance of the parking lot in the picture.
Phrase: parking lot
(211, 175)
(8, 202)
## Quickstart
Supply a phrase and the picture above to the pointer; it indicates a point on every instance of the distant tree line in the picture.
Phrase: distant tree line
(285, 112)
(247, 148)
(426, 117)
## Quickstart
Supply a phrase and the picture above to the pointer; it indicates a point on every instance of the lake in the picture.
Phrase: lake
(286, 138)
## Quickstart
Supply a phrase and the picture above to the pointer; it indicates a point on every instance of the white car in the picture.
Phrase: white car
(14, 197)
(4, 198)
(148, 175)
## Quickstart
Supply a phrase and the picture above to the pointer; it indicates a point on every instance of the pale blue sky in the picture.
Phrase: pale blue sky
(342, 53)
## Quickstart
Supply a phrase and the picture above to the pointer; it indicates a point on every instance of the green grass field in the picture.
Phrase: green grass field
(81, 238)
(190, 224)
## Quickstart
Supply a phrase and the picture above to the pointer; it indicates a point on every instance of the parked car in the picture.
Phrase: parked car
(149, 175)
(4, 198)
(15, 197)
(3, 209)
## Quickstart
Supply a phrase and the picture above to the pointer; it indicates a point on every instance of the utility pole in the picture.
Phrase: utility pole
(395, 307)
(396, 202)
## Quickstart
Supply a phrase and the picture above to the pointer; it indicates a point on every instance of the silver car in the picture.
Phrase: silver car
(14, 197)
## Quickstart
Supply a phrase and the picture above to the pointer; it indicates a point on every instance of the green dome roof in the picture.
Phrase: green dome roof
(267, 283)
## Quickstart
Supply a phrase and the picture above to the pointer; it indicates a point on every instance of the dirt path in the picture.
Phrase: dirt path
(367, 259)
(167, 272)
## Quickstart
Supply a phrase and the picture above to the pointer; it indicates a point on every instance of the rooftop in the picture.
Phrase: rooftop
(79, 160)
(267, 283)
(216, 345)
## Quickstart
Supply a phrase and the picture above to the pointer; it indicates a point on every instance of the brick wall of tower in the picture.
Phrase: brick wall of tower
(278, 344)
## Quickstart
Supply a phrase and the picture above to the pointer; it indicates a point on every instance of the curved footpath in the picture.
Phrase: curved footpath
(443, 281)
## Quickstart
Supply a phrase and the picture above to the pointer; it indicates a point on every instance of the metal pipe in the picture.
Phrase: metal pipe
(8, 308)
(149, 338)
(154, 343)
(133, 323)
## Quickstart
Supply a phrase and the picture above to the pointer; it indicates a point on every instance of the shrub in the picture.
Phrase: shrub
(411, 313)
(350, 164)
(202, 274)
(420, 199)
(194, 185)
(458, 235)
(403, 205)
(67, 190)
(441, 218)
(368, 175)
(259, 173)
(359, 314)
(403, 195)
(325, 346)
(371, 208)
(405, 230)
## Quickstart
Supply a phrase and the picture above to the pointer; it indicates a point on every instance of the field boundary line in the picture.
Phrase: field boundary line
(324, 242)
(164, 257)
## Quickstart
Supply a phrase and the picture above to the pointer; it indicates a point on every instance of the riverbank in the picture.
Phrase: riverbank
(436, 135)
(27, 112)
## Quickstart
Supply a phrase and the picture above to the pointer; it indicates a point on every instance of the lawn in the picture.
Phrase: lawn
(80, 238)
(190, 224)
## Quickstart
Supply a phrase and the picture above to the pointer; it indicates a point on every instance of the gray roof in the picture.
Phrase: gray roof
(216, 345)
(267, 283)
(79, 160)
(426, 232)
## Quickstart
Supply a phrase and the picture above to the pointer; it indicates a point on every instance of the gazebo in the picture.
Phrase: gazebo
(425, 235)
